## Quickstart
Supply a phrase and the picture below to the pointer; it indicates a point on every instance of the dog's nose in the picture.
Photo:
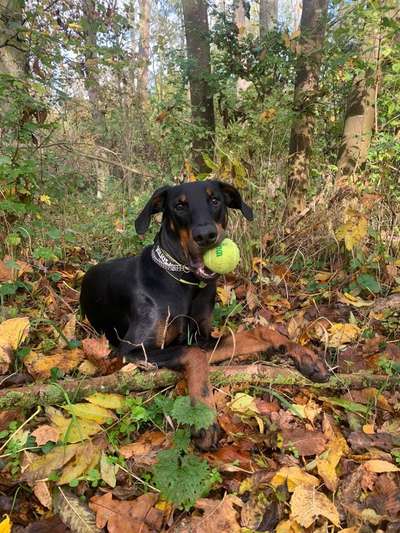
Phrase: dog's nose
(205, 235)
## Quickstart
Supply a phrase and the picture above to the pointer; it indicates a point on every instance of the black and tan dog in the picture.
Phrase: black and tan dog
(154, 305)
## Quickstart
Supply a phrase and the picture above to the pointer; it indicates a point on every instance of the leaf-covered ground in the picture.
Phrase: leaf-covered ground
(292, 457)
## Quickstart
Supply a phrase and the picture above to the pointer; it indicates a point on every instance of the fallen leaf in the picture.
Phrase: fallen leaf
(42, 492)
(96, 349)
(288, 526)
(145, 449)
(6, 273)
(44, 465)
(218, 515)
(107, 400)
(305, 442)
(5, 525)
(293, 476)
(68, 332)
(45, 433)
(72, 430)
(355, 301)
(132, 516)
(354, 229)
(378, 466)
(87, 368)
(108, 471)
(88, 411)
(307, 504)
(39, 366)
(13, 332)
(341, 334)
(85, 459)
(337, 447)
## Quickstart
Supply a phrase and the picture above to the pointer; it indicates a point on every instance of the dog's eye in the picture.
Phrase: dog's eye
(214, 201)
(180, 206)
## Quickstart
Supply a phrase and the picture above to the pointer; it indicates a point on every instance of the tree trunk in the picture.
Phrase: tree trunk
(312, 28)
(12, 50)
(199, 72)
(144, 52)
(360, 112)
(93, 88)
(242, 19)
(268, 16)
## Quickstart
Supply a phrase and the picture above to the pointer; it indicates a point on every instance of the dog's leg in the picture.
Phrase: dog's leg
(194, 361)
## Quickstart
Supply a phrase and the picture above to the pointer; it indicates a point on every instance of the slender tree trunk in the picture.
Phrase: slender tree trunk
(199, 72)
(92, 85)
(144, 52)
(268, 16)
(312, 27)
(360, 113)
(12, 48)
(242, 19)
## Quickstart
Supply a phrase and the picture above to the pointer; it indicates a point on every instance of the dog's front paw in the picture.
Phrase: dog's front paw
(207, 439)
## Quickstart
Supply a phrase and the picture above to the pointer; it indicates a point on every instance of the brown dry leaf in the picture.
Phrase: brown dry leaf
(380, 467)
(218, 516)
(145, 449)
(305, 442)
(39, 366)
(72, 430)
(42, 492)
(68, 332)
(307, 504)
(96, 349)
(354, 529)
(224, 294)
(43, 466)
(6, 273)
(91, 412)
(251, 298)
(229, 459)
(293, 476)
(132, 516)
(45, 433)
(108, 471)
(341, 334)
(86, 458)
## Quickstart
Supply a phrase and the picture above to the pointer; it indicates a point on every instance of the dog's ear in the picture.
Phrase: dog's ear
(234, 200)
(156, 204)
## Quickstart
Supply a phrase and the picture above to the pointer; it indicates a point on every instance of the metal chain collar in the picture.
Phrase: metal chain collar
(165, 261)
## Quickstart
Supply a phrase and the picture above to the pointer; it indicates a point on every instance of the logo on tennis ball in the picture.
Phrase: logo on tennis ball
(223, 258)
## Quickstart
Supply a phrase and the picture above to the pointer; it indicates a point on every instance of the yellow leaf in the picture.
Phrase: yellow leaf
(109, 401)
(5, 524)
(340, 334)
(353, 231)
(84, 460)
(322, 276)
(379, 466)
(355, 301)
(42, 467)
(88, 411)
(293, 476)
(243, 404)
(72, 429)
(224, 294)
(13, 332)
(307, 505)
(108, 471)
(288, 526)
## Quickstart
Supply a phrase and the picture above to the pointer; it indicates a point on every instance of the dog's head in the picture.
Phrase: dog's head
(196, 215)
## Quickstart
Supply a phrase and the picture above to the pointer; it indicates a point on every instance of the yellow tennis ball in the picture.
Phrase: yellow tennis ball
(223, 258)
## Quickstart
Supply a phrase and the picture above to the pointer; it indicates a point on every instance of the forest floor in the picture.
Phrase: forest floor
(294, 456)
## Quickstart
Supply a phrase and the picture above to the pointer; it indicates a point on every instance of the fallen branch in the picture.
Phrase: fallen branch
(140, 381)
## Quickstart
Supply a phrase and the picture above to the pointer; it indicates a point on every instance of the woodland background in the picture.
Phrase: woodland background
(298, 105)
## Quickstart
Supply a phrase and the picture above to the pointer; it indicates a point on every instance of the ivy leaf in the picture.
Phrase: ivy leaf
(198, 415)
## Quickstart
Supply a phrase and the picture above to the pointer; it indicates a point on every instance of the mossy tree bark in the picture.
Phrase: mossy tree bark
(312, 32)
(199, 73)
